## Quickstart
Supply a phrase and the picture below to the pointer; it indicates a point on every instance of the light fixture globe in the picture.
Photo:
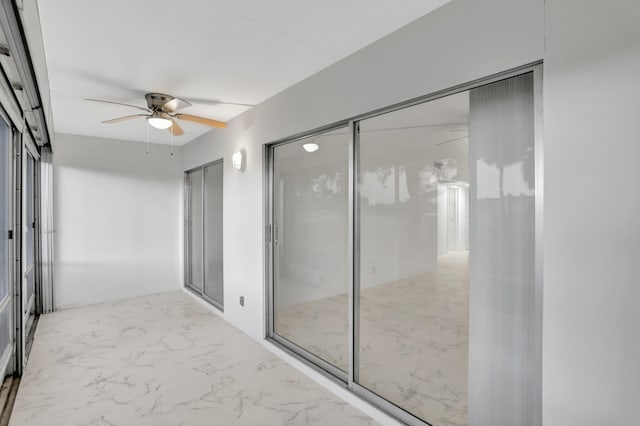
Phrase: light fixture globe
(310, 147)
(159, 122)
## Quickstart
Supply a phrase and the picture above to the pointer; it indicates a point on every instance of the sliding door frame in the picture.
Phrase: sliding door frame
(25, 148)
(187, 240)
(30, 300)
(187, 230)
(271, 230)
(16, 284)
(350, 381)
(8, 302)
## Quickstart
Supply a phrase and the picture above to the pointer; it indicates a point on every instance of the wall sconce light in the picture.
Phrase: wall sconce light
(310, 147)
(237, 160)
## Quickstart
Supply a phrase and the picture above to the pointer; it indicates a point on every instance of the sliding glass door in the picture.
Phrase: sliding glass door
(311, 273)
(19, 245)
(414, 298)
(403, 255)
(6, 258)
(29, 238)
(213, 272)
(203, 230)
(30, 243)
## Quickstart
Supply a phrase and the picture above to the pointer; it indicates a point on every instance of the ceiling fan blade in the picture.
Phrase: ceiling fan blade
(175, 104)
(117, 103)
(452, 140)
(125, 118)
(176, 129)
(201, 120)
(216, 102)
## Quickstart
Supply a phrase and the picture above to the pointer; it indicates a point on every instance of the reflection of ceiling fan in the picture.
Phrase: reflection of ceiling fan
(445, 169)
(161, 113)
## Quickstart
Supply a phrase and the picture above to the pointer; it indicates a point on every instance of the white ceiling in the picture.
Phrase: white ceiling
(234, 51)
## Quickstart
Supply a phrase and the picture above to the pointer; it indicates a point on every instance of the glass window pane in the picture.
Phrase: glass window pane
(5, 328)
(29, 212)
(31, 282)
(213, 232)
(5, 194)
(311, 280)
(413, 189)
(195, 229)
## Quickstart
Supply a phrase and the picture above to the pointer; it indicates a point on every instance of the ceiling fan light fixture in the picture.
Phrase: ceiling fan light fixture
(159, 123)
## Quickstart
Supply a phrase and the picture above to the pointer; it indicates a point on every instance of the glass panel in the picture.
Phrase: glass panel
(5, 329)
(31, 278)
(5, 194)
(29, 223)
(29, 227)
(413, 186)
(505, 358)
(213, 286)
(195, 229)
(311, 226)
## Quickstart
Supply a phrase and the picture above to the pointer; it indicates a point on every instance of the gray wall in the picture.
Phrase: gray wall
(591, 343)
(459, 42)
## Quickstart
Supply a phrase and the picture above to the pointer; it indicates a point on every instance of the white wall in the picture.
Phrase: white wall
(118, 219)
(462, 41)
(591, 342)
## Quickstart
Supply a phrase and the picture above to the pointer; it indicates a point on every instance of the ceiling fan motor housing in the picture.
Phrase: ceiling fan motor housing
(156, 101)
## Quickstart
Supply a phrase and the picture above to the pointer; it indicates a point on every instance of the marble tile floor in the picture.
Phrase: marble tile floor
(413, 341)
(163, 360)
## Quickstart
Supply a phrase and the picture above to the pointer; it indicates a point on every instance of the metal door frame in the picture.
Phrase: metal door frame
(25, 147)
(187, 233)
(6, 364)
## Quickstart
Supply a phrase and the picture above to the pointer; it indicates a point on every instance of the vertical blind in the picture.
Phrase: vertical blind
(504, 366)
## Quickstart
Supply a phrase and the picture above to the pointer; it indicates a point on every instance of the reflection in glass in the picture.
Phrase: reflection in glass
(29, 225)
(413, 188)
(5, 194)
(310, 227)
(31, 278)
(213, 283)
(29, 216)
(195, 229)
(5, 328)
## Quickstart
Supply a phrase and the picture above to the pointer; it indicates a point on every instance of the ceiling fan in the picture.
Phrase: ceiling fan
(161, 113)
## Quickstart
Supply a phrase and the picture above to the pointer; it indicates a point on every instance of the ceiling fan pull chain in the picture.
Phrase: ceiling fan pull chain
(147, 127)
(171, 137)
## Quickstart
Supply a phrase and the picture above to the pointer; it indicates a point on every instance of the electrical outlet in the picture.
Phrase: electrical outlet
(241, 300)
